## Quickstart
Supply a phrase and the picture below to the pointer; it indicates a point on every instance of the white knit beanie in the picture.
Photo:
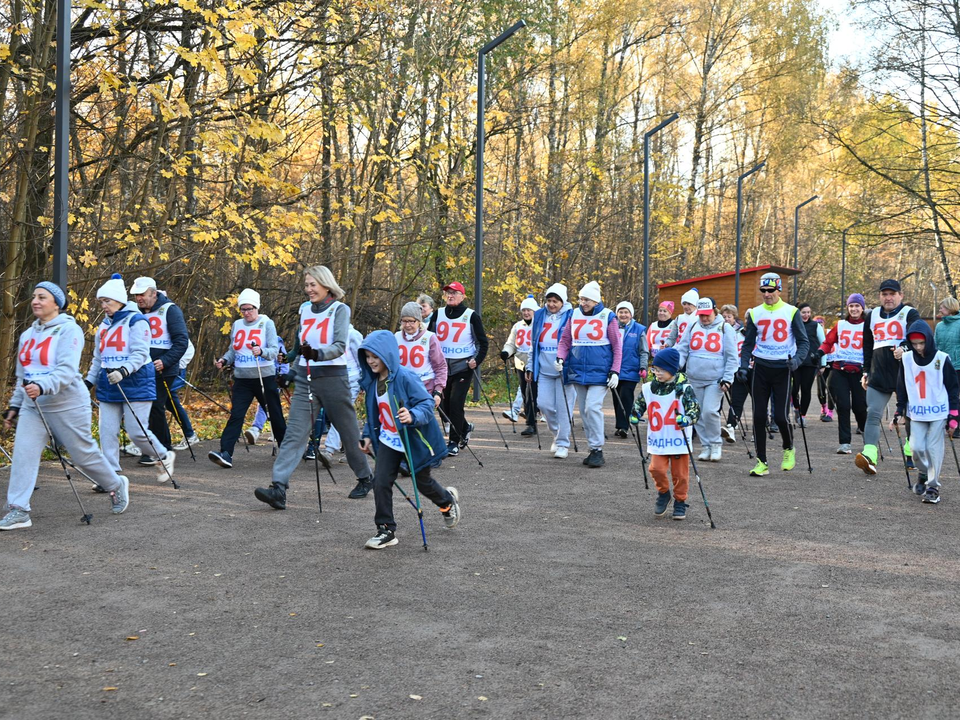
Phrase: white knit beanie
(690, 296)
(114, 289)
(591, 291)
(558, 289)
(529, 304)
(249, 297)
(628, 305)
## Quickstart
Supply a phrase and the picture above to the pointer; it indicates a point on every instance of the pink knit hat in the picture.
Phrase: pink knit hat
(668, 304)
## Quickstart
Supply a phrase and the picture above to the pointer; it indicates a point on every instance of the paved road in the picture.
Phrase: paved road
(560, 595)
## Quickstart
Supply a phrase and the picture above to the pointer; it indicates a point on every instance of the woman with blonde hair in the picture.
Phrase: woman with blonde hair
(318, 366)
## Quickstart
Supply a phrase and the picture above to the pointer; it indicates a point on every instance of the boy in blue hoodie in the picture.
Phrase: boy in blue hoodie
(396, 397)
(929, 394)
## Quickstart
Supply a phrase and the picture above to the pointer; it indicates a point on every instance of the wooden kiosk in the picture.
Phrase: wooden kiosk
(720, 287)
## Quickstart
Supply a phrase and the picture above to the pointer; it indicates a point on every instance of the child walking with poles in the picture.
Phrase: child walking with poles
(400, 426)
(928, 393)
(673, 409)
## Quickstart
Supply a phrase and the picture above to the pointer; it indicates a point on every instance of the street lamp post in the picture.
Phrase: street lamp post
(736, 282)
(796, 241)
(61, 152)
(478, 194)
(843, 266)
(646, 213)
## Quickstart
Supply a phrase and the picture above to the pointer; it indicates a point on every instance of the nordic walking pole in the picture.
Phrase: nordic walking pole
(903, 456)
(949, 434)
(696, 474)
(176, 414)
(147, 435)
(313, 424)
(506, 374)
(71, 464)
(801, 422)
(203, 394)
(636, 436)
(490, 408)
(532, 407)
(6, 454)
(743, 430)
(443, 416)
(573, 435)
(253, 344)
(318, 456)
(409, 455)
(86, 517)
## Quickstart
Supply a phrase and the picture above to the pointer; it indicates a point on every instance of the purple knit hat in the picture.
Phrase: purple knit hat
(858, 299)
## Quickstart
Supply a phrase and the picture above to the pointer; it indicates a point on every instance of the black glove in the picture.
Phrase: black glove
(88, 384)
(11, 413)
(742, 375)
(818, 355)
(284, 380)
(310, 353)
(504, 355)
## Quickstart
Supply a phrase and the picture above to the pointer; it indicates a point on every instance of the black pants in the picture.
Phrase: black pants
(770, 383)
(626, 390)
(848, 393)
(244, 391)
(822, 395)
(529, 398)
(803, 378)
(388, 465)
(738, 396)
(452, 402)
(158, 413)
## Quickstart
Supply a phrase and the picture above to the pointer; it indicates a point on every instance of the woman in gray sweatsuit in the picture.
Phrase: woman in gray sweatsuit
(708, 349)
(318, 355)
(48, 377)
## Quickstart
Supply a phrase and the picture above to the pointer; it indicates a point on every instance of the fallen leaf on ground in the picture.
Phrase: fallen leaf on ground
(133, 637)
(416, 697)
(109, 689)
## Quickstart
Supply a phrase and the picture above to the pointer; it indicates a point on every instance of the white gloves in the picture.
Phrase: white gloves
(613, 380)
(558, 364)
(115, 376)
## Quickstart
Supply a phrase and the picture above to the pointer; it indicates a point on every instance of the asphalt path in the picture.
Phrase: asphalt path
(560, 595)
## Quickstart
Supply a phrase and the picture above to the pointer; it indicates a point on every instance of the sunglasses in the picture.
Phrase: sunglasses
(767, 291)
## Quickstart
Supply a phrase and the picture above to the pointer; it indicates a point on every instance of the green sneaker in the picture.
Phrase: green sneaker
(789, 459)
(760, 469)
(866, 460)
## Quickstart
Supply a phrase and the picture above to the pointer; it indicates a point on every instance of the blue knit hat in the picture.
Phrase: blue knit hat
(54, 290)
(668, 359)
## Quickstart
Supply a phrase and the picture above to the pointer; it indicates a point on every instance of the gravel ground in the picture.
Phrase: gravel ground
(560, 595)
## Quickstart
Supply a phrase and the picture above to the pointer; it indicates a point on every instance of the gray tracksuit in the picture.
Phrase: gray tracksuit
(706, 366)
(50, 358)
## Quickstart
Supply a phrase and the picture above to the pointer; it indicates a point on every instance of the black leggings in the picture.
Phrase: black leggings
(803, 378)
(385, 474)
(244, 391)
(738, 397)
(452, 402)
(625, 390)
(770, 382)
(529, 398)
(848, 393)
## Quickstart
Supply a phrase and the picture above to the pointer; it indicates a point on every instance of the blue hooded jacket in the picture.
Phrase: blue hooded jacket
(424, 439)
(634, 351)
(950, 380)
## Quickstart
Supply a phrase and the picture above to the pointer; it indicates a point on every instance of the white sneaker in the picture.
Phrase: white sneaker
(131, 449)
(182, 445)
(251, 435)
(553, 446)
(560, 452)
(704, 453)
(715, 452)
(729, 433)
(510, 415)
(167, 472)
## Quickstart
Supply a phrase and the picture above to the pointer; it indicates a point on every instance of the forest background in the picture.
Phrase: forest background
(220, 145)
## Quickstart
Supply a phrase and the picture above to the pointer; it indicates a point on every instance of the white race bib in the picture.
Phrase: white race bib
(159, 332)
(889, 332)
(388, 426)
(927, 397)
(524, 338)
(849, 347)
(114, 342)
(316, 329)
(663, 435)
(240, 338)
(589, 330)
(456, 335)
(38, 352)
(415, 355)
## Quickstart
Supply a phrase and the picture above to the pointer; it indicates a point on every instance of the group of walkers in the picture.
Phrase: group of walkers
(563, 356)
